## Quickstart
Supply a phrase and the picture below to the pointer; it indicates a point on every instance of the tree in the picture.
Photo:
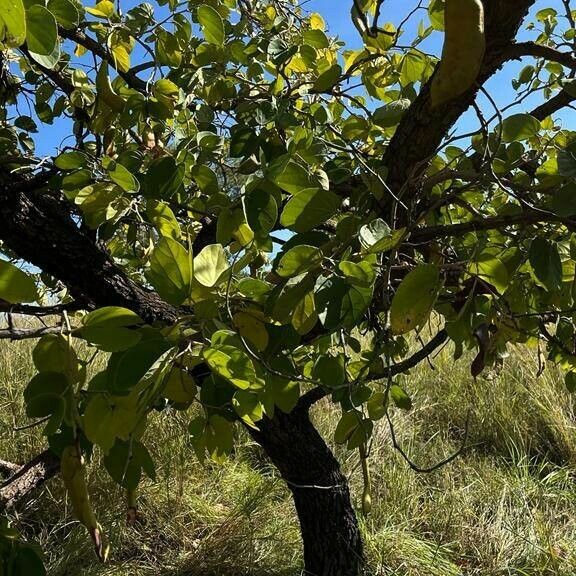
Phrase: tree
(249, 218)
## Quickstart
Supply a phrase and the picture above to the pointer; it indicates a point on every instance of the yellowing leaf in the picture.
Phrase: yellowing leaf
(103, 9)
(210, 265)
(317, 22)
(252, 327)
(415, 298)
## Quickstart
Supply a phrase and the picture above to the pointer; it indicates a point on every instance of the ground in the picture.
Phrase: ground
(507, 506)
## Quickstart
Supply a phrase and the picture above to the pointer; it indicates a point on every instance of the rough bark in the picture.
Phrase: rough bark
(332, 543)
(422, 128)
(37, 225)
(28, 478)
(330, 533)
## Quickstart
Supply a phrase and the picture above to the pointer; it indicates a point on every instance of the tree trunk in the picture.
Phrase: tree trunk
(330, 533)
(332, 544)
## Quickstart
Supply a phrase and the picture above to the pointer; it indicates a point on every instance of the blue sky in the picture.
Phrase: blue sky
(336, 13)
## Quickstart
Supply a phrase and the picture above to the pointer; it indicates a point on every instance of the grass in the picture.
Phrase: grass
(507, 506)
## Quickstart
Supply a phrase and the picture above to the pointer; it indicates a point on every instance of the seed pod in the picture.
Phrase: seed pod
(74, 478)
(463, 51)
(105, 90)
(367, 493)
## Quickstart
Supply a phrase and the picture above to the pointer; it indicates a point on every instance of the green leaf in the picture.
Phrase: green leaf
(361, 274)
(179, 387)
(232, 364)
(261, 210)
(329, 370)
(66, 13)
(171, 271)
(127, 368)
(519, 127)
(290, 176)
(12, 24)
(298, 260)
(53, 353)
(210, 265)
(70, 160)
(347, 425)
(546, 263)
(492, 270)
(567, 161)
(161, 215)
(248, 406)
(44, 394)
(219, 437)
(413, 302)
(282, 391)
(111, 339)
(112, 317)
(126, 461)
(212, 24)
(252, 327)
(42, 36)
(304, 317)
(16, 286)
(254, 288)
(376, 406)
(309, 208)
(400, 398)
(328, 79)
(123, 177)
(340, 305)
(436, 14)
(391, 114)
(377, 237)
(164, 178)
(167, 49)
(108, 417)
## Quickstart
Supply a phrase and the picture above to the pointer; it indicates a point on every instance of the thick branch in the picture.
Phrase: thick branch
(8, 468)
(556, 103)
(423, 235)
(38, 227)
(522, 49)
(28, 478)
(423, 128)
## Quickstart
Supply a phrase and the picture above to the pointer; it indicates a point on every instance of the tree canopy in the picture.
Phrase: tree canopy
(248, 216)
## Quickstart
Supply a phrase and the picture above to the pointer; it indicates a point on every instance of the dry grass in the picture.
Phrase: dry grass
(507, 506)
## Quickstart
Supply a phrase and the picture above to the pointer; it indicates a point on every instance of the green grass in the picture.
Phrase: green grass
(507, 506)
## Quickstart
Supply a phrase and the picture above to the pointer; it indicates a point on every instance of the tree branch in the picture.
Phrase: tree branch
(426, 350)
(100, 50)
(556, 103)
(521, 49)
(28, 478)
(12, 333)
(38, 311)
(8, 468)
(423, 235)
(423, 128)
(68, 253)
